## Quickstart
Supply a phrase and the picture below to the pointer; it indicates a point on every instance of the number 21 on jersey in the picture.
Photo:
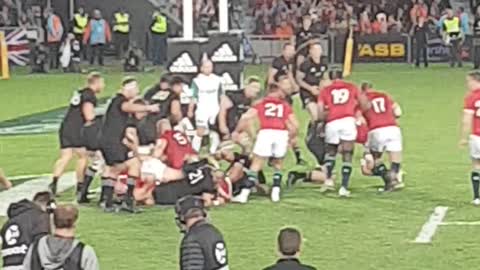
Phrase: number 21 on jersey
(340, 96)
(274, 110)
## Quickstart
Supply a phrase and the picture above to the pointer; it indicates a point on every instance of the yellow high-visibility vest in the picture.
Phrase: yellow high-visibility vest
(122, 24)
(81, 22)
(160, 24)
(452, 25)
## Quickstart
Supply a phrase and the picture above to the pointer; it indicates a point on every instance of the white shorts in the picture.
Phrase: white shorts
(205, 117)
(343, 129)
(474, 143)
(271, 143)
(385, 139)
(153, 167)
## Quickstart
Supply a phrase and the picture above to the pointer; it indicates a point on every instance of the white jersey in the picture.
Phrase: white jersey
(207, 91)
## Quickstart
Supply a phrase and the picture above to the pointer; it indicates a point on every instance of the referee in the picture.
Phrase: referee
(203, 247)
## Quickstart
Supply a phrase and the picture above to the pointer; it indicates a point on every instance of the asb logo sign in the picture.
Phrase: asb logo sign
(387, 50)
(224, 53)
(183, 64)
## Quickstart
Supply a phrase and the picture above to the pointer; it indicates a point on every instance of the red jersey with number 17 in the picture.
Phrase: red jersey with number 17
(178, 147)
(472, 103)
(340, 99)
(380, 113)
(273, 113)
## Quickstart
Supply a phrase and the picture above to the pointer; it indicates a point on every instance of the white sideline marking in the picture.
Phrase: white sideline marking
(461, 223)
(28, 189)
(430, 227)
(27, 176)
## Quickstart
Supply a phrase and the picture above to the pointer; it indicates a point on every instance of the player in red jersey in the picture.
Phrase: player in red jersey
(277, 125)
(384, 135)
(173, 147)
(471, 130)
(337, 105)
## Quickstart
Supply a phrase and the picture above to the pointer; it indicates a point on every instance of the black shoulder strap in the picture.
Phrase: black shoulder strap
(35, 262)
(74, 261)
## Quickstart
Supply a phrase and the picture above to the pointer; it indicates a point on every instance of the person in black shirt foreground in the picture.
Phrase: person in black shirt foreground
(115, 152)
(27, 222)
(203, 246)
(289, 244)
(476, 39)
(80, 118)
(419, 32)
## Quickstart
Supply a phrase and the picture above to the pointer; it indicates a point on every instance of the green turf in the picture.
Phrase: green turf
(368, 231)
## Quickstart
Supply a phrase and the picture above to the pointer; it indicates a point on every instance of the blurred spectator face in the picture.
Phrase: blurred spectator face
(307, 22)
(97, 14)
(449, 13)
(268, 28)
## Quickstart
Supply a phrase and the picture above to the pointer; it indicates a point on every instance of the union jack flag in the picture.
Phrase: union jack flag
(17, 46)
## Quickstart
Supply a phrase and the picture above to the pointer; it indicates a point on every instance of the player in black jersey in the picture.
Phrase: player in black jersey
(233, 105)
(114, 151)
(309, 76)
(302, 37)
(80, 114)
(282, 65)
(187, 107)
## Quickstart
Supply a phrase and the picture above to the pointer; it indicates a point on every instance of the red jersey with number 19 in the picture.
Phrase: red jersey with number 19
(380, 113)
(472, 103)
(340, 99)
(178, 147)
(273, 113)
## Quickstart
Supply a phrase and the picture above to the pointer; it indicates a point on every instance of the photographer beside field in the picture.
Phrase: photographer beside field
(61, 250)
(27, 222)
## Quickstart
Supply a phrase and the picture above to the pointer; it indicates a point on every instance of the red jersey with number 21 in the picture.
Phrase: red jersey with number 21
(178, 147)
(340, 99)
(273, 113)
(472, 103)
(380, 113)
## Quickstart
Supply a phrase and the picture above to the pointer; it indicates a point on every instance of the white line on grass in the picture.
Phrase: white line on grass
(430, 227)
(461, 223)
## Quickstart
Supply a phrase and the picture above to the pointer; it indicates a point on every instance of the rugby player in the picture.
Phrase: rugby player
(471, 130)
(337, 105)
(78, 124)
(232, 106)
(277, 125)
(309, 76)
(170, 108)
(112, 146)
(207, 90)
(187, 108)
(384, 135)
(282, 66)
(4, 181)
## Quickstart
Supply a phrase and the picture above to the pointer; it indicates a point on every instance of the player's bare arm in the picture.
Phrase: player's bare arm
(467, 120)
(225, 105)
(176, 111)
(159, 150)
(131, 107)
(88, 112)
(131, 139)
(397, 110)
(321, 113)
(271, 75)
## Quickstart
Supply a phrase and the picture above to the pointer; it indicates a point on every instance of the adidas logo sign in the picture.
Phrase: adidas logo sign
(224, 53)
(183, 64)
(227, 82)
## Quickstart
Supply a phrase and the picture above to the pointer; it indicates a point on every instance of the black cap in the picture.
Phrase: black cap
(165, 79)
(188, 203)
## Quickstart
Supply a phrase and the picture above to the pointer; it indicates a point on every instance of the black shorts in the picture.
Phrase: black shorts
(114, 153)
(168, 194)
(307, 97)
(70, 138)
(90, 137)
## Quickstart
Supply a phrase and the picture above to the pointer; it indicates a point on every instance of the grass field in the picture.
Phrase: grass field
(368, 231)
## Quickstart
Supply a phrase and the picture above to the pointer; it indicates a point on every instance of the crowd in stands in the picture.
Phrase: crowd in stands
(18, 13)
(282, 17)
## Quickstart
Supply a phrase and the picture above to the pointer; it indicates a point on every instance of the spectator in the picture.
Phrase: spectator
(435, 9)
(54, 30)
(61, 250)
(39, 58)
(393, 25)
(464, 21)
(70, 52)
(78, 25)
(25, 22)
(159, 30)
(419, 9)
(476, 39)
(27, 222)
(97, 35)
(365, 24)
(284, 30)
(268, 29)
(289, 246)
